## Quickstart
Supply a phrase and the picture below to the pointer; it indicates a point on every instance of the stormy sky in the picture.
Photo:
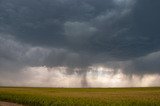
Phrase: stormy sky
(80, 43)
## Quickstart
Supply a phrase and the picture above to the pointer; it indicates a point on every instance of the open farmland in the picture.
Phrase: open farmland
(82, 96)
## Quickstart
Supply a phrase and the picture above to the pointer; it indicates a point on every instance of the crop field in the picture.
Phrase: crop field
(81, 96)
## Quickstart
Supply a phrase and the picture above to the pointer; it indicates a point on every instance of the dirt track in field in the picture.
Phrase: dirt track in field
(9, 104)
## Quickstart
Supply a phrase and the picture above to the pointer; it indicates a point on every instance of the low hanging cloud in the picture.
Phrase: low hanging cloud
(79, 34)
(56, 77)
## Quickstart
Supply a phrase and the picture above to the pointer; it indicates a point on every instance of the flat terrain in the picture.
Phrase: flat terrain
(82, 96)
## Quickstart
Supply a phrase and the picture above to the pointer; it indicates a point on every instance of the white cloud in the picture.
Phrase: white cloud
(56, 77)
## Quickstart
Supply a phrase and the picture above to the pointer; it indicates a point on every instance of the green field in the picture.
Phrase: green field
(82, 96)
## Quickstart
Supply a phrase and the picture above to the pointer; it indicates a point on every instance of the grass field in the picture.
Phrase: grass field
(82, 96)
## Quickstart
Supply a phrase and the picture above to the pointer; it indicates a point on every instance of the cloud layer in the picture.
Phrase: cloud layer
(79, 34)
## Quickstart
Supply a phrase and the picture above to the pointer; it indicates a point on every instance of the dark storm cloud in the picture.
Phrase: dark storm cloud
(44, 19)
(80, 33)
(145, 65)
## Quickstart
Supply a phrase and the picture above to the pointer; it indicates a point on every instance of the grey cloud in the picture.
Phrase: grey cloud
(10, 53)
(16, 55)
(148, 64)
(80, 33)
